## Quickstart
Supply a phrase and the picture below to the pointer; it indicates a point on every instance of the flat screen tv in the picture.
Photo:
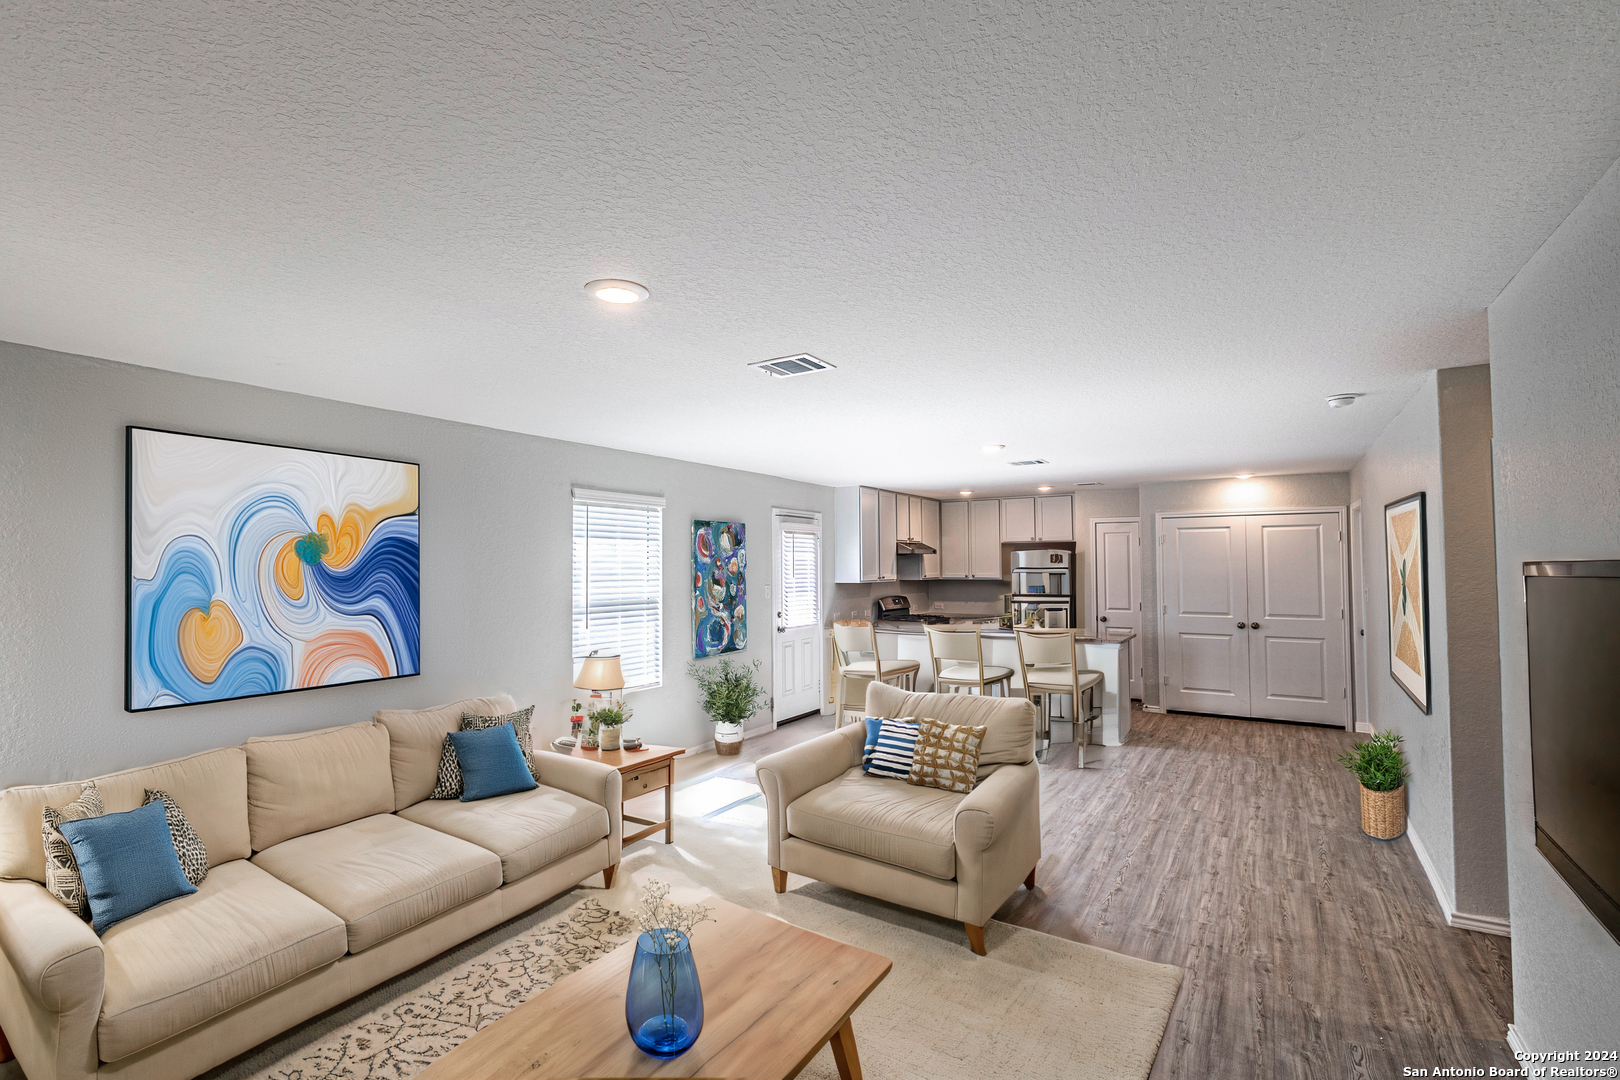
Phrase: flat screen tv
(1573, 610)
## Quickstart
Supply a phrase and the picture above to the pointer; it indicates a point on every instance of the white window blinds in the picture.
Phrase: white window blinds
(618, 582)
(800, 554)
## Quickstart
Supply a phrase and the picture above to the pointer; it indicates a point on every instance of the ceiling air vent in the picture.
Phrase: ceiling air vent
(785, 367)
(1031, 461)
(1089, 483)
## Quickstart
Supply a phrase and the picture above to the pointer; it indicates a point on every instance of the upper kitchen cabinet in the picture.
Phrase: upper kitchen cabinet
(865, 528)
(1049, 518)
(928, 533)
(984, 539)
(953, 540)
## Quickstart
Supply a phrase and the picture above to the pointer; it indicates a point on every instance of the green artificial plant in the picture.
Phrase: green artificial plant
(1379, 763)
(730, 692)
(611, 715)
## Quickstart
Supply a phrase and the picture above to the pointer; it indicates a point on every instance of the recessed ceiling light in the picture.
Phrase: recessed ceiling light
(1244, 475)
(991, 448)
(1339, 401)
(617, 290)
(1044, 487)
(964, 492)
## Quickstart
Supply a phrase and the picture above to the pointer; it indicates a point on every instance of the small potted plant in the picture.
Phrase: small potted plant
(730, 695)
(1380, 765)
(606, 722)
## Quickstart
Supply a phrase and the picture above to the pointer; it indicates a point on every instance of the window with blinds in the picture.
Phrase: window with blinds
(801, 551)
(618, 582)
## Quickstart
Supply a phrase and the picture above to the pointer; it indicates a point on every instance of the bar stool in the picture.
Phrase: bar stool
(958, 658)
(1049, 662)
(855, 654)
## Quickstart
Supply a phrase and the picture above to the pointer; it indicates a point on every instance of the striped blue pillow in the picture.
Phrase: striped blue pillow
(889, 747)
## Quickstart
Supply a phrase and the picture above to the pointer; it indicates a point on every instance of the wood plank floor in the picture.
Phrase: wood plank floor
(1233, 848)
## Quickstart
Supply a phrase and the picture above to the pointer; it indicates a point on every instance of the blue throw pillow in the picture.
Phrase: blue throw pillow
(890, 747)
(128, 863)
(492, 763)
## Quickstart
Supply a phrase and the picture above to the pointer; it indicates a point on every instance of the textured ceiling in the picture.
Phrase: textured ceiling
(1143, 240)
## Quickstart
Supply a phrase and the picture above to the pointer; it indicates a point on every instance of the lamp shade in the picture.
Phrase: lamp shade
(600, 673)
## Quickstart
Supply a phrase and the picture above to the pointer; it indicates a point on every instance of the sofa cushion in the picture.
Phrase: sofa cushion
(491, 763)
(188, 846)
(62, 877)
(211, 787)
(947, 756)
(241, 934)
(383, 874)
(416, 740)
(913, 827)
(313, 780)
(128, 862)
(528, 829)
(1010, 722)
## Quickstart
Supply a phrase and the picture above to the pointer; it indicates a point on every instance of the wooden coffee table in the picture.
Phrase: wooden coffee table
(645, 770)
(773, 996)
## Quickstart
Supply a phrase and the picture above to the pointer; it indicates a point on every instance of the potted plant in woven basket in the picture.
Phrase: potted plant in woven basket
(1380, 765)
(730, 696)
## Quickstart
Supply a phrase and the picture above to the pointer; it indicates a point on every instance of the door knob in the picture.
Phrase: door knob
(1254, 626)
(1243, 626)
(1102, 618)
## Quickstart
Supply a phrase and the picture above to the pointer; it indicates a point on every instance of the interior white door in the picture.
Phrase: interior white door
(1297, 662)
(1361, 717)
(1204, 583)
(1116, 591)
(796, 654)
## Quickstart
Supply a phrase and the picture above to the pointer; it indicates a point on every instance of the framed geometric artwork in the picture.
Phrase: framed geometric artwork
(255, 569)
(1406, 539)
(719, 588)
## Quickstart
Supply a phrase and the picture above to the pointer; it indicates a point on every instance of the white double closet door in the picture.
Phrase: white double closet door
(1253, 615)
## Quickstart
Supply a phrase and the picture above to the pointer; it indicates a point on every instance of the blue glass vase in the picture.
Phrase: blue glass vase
(664, 1004)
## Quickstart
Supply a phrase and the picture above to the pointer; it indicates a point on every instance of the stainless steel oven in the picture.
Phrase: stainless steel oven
(1042, 572)
(1046, 614)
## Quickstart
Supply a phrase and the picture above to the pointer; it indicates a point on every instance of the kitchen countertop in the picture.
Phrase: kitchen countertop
(989, 631)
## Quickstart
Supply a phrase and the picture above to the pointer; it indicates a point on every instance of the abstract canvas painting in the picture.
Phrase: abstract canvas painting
(257, 569)
(719, 588)
(1407, 542)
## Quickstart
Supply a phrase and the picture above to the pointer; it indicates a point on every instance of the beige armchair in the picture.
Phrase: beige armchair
(953, 855)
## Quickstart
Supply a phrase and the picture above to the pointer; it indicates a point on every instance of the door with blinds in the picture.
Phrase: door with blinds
(1253, 615)
(796, 658)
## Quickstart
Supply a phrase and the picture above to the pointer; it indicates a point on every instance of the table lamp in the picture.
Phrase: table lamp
(600, 674)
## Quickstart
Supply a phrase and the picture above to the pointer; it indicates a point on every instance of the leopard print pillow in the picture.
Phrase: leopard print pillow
(188, 846)
(62, 875)
(448, 785)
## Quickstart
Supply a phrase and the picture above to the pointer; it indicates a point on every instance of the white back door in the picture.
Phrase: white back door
(1205, 590)
(796, 654)
(1116, 588)
(1297, 667)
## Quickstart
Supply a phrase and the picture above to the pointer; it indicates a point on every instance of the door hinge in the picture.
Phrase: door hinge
(1345, 693)
(1166, 609)
(1166, 679)
(1161, 540)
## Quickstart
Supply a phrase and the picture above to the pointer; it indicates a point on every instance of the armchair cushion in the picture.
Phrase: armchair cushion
(906, 826)
(1009, 740)
(890, 748)
(946, 756)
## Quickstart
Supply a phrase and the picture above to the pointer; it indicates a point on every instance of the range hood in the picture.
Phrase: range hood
(913, 547)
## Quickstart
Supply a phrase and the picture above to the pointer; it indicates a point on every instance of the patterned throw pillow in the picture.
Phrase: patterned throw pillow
(188, 846)
(889, 748)
(448, 785)
(947, 756)
(62, 875)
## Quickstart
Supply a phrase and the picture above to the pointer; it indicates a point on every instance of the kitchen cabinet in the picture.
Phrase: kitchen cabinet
(887, 536)
(1054, 518)
(928, 533)
(984, 538)
(1018, 521)
(953, 540)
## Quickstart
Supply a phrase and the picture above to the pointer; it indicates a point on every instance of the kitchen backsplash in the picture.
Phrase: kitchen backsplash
(972, 597)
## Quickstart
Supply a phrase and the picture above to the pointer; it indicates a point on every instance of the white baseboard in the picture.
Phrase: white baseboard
(1515, 1040)
(1154, 708)
(1487, 924)
(1363, 728)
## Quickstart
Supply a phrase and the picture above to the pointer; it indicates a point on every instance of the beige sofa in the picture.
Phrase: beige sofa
(959, 856)
(330, 872)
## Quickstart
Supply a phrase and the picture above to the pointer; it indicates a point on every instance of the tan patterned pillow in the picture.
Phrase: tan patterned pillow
(62, 875)
(946, 756)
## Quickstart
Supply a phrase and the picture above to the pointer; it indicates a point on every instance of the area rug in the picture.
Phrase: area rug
(1036, 1006)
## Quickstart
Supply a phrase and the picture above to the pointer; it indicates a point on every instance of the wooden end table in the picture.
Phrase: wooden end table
(644, 770)
(773, 996)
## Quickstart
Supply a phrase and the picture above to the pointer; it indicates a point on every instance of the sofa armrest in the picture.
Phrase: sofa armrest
(50, 983)
(998, 839)
(788, 774)
(590, 780)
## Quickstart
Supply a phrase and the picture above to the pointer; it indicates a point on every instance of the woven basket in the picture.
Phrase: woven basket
(1383, 813)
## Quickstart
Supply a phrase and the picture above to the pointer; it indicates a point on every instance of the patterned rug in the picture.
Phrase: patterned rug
(401, 1038)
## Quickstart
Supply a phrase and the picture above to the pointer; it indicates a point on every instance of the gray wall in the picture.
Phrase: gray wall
(496, 527)
(1258, 493)
(1555, 389)
(1472, 643)
(1404, 459)
(1090, 504)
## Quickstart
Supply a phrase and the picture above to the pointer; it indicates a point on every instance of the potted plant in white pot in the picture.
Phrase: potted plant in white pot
(730, 696)
(607, 721)
(1380, 765)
